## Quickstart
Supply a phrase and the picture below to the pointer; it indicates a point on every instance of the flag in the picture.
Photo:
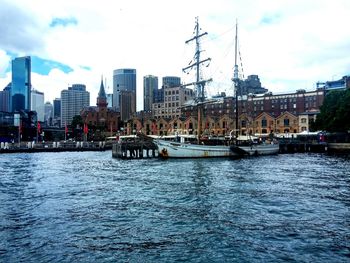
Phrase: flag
(38, 126)
(86, 129)
(20, 127)
(65, 128)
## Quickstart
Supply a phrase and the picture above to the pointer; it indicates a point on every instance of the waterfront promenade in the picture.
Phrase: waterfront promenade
(59, 146)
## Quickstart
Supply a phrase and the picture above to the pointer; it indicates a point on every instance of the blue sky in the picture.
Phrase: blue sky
(290, 44)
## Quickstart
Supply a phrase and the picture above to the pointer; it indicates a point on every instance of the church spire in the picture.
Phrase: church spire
(102, 93)
(102, 98)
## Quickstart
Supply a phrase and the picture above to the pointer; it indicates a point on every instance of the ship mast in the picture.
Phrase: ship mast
(235, 80)
(199, 83)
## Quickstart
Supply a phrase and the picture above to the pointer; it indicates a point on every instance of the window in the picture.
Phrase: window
(286, 122)
(264, 123)
(303, 120)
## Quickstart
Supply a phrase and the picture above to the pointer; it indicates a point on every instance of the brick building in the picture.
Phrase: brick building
(101, 117)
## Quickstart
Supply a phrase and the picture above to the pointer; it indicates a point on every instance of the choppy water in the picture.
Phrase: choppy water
(88, 207)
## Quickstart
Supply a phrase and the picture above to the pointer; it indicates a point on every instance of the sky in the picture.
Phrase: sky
(289, 44)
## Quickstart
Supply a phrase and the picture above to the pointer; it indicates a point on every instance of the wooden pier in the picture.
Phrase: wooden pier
(135, 148)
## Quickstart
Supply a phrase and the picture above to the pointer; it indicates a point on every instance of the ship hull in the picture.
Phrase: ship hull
(260, 149)
(168, 149)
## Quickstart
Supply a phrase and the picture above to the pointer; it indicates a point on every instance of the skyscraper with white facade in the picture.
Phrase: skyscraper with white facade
(37, 104)
(73, 101)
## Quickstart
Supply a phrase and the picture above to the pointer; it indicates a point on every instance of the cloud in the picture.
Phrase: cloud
(5, 64)
(20, 33)
(290, 44)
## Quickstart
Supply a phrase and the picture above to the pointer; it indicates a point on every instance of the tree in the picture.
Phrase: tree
(77, 122)
(334, 114)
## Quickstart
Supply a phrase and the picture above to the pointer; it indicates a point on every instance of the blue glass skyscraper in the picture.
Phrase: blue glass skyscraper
(21, 84)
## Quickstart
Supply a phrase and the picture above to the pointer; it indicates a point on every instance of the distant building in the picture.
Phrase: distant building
(276, 104)
(127, 105)
(48, 117)
(342, 83)
(100, 116)
(158, 95)
(37, 104)
(171, 81)
(251, 85)
(73, 101)
(110, 100)
(150, 84)
(21, 84)
(260, 113)
(56, 112)
(174, 98)
(123, 80)
(5, 99)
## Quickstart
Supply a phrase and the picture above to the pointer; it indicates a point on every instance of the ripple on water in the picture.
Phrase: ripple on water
(89, 207)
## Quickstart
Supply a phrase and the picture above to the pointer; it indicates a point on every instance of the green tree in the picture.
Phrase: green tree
(77, 122)
(334, 114)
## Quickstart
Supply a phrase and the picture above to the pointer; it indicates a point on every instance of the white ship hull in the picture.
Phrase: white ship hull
(167, 149)
(261, 149)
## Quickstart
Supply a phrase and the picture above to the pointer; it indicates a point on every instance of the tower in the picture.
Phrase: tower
(37, 104)
(123, 80)
(150, 84)
(21, 84)
(102, 98)
(73, 101)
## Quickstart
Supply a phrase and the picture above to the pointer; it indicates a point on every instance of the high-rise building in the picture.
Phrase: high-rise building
(5, 99)
(21, 84)
(57, 108)
(171, 81)
(110, 100)
(128, 104)
(48, 113)
(73, 101)
(37, 104)
(123, 79)
(56, 112)
(150, 84)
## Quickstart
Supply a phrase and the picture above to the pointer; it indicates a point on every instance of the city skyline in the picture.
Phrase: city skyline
(289, 45)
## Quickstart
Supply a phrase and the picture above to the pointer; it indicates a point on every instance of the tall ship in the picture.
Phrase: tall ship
(203, 148)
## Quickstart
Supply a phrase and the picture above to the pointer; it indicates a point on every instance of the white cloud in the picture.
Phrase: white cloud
(289, 44)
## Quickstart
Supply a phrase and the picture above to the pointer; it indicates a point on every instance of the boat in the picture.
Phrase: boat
(252, 146)
(203, 148)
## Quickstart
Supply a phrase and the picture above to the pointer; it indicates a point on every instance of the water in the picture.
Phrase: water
(89, 207)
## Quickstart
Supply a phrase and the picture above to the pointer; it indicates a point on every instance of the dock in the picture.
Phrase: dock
(135, 148)
(59, 146)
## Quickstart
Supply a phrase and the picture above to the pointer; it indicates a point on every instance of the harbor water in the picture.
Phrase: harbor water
(89, 207)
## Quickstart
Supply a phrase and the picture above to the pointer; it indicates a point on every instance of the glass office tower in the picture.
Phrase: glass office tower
(150, 84)
(21, 84)
(123, 80)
